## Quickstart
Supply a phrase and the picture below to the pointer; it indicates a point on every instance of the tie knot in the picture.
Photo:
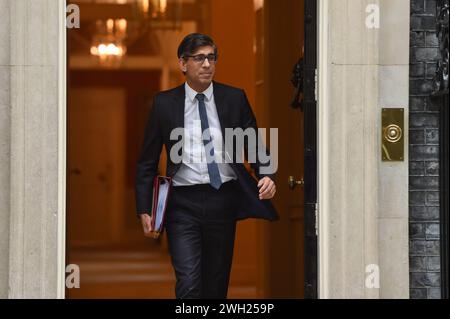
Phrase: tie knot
(200, 97)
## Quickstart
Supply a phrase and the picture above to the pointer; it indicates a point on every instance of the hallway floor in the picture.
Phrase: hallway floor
(130, 274)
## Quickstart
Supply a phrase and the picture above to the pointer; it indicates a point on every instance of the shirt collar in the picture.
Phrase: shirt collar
(191, 93)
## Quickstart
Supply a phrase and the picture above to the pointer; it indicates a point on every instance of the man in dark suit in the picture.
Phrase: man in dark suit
(207, 197)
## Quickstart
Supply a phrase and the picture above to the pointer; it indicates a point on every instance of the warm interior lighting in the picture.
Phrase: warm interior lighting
(108, 45)
(145, 6)
(113, 35)
(103, 50)
(258, 4)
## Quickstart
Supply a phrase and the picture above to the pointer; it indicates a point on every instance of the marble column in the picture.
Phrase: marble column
(31, 142)
(363, 202)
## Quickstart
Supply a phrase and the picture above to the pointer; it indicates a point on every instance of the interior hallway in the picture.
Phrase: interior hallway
(138, 273)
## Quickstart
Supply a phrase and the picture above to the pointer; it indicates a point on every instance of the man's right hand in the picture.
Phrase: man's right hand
(146, 224)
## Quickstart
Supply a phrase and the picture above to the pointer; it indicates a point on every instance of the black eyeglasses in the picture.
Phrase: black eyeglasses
(200, 58)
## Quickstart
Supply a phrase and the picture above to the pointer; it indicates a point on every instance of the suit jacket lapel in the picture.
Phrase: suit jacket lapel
(220, 106)
(178, 107)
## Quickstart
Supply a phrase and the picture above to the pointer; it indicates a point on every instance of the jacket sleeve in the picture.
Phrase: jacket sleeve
(147, 165)
(249, 121)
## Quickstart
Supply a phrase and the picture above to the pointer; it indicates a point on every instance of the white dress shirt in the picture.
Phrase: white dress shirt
(194, 168)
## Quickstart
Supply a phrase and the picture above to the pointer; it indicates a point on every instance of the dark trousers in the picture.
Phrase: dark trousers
(201, 225)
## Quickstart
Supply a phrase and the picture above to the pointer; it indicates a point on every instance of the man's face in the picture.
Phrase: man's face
(199, 71)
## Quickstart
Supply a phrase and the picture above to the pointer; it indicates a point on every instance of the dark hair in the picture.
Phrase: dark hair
(192, 42)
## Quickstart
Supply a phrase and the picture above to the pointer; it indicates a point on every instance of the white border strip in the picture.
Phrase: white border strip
(62, 63)
(322, 149)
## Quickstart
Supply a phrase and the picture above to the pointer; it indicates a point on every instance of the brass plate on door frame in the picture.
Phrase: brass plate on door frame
(392, 134)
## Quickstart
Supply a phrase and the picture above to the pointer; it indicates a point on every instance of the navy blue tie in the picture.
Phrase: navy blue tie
(213, 169)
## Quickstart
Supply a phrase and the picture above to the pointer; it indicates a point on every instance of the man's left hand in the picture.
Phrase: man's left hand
(267, 188)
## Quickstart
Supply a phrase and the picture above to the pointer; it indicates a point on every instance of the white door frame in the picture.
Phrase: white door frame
(62, 146)
(322, 151)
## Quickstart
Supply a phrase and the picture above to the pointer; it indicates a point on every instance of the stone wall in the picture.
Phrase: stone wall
(424, 154)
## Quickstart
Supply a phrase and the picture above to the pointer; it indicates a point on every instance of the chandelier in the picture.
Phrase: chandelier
(113, 36)
(108, 42)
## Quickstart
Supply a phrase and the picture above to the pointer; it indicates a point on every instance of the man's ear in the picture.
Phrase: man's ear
(182, 64)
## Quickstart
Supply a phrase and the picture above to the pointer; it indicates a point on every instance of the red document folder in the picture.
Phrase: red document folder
(161, 191)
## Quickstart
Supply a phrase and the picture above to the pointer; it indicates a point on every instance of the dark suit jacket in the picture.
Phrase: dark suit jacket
(167, 113)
